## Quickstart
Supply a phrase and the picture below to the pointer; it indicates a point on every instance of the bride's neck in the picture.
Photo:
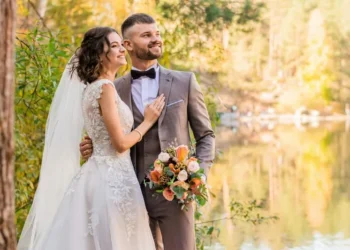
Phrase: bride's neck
(108, 75)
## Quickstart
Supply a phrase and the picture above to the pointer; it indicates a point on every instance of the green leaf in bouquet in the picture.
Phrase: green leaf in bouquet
(195, 175)
(203, 191)
(200, 171)
(179, 191)
(159, 191)
(168, 172)
(151, 166)
(151, 185)
(200, 200)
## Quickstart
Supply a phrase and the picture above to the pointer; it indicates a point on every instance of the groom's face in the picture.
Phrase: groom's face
(144, 41)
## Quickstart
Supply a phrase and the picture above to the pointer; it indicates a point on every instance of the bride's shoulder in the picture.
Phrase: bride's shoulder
(100, 82)
(97, 87)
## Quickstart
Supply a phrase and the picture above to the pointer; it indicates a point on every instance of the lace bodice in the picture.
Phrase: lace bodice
(121, 177)
(94, 123)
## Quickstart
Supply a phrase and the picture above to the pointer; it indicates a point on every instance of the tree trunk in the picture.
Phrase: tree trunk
(7, 31)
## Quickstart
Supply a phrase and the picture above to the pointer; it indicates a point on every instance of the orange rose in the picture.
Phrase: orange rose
(195, 182)
(155, 176)
(182, 153)
(173, 169)
(168, 194)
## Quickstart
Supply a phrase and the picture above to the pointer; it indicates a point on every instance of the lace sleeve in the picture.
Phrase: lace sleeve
(96, 92)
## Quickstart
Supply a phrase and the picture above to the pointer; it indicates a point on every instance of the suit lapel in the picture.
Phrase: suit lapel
(126, 91)
(165, 82)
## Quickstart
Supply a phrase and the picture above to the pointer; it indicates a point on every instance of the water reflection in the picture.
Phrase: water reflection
(300, 174)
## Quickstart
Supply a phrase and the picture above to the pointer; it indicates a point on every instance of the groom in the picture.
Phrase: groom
(172, 228)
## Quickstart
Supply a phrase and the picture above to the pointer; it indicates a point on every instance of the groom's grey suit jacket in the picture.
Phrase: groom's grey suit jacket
(184, 108)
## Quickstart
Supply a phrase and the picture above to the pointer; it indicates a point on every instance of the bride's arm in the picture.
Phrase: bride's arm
(121, 141)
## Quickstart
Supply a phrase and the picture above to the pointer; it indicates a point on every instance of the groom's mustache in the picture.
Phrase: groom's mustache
(154, 44)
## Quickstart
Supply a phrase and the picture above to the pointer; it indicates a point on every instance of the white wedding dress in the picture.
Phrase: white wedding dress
(103, 208)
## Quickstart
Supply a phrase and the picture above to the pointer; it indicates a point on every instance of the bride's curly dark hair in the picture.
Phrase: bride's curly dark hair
(87, 57)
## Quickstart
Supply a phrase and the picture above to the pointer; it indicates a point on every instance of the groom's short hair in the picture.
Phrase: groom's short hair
(138, 18)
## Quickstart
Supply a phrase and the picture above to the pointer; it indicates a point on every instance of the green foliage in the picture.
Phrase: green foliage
(247, 212)
(39, 60)
(191, 26)
(204, 233)
(209, 14)
(250, 12)
(78, 12)
(211, 104)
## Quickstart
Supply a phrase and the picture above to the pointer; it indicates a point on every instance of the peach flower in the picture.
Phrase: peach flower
(182, 153)
(158, 166)
(168, 194)
(155, 176)
(182, 184)
(191, 160)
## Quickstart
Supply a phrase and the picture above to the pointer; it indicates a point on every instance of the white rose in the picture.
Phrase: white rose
(193, 166)
(164, 157)
(182, 175)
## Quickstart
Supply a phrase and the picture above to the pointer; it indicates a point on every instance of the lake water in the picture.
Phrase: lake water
(299, 173)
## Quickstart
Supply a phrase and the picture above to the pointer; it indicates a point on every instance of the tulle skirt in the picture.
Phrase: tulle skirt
(103, 209)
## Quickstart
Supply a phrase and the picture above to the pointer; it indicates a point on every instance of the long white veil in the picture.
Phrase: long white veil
(61, 158)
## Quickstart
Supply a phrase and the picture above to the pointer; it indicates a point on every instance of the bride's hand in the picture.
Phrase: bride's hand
(153, 110)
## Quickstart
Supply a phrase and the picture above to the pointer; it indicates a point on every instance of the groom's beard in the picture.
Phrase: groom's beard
(146, 54)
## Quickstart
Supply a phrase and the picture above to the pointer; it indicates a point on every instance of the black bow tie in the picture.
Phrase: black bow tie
(151, 73)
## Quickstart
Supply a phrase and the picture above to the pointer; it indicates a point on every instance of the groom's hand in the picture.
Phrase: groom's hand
(86, 148)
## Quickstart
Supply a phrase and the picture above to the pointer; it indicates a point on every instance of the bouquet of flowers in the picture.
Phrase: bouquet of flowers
(177, 175)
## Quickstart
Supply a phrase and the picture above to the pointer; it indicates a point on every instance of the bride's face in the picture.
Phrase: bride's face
(114, 55)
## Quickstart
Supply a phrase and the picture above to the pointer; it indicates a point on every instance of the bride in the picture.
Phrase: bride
(100, 205)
